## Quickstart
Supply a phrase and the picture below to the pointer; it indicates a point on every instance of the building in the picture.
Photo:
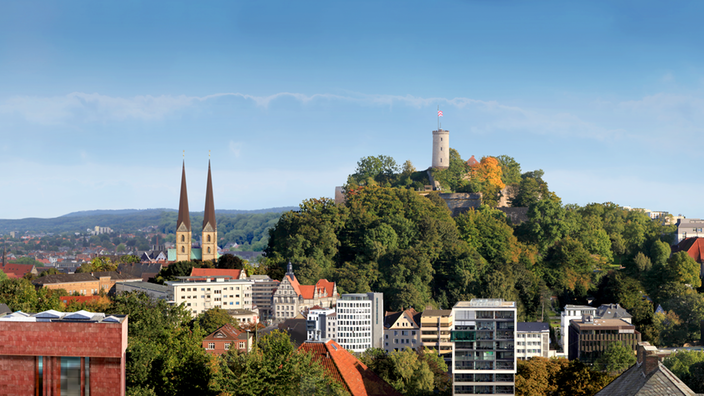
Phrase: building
(589, 337)
(360, 321)
(217, 272)
(648, 377)
(483, 353)
(612, 311)
(402, 330)
(42, 354)
(244, 316)
(153, 290)
(346, 369)
(569, 313)
(321, 325)
(228, 337)
(13, 270)
(184, 250)
(689, 228)
(263, 293)
(201, 294)
(435, 328)
(85, 284)
(292, 298)
(441, 149)
(145, 271)
(532, 339)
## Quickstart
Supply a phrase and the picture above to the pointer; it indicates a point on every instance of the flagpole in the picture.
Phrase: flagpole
(438, 118)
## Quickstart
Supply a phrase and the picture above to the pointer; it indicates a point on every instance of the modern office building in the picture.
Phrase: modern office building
(589, 337)
(201, 294)
(435, 328)
(532, 339)
(263, 294)
(483, 347)
(402, 330)
(360, 321)
(321, 325)
(71, 354)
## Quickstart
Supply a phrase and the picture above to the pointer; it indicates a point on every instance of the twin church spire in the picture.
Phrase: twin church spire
(209, 248)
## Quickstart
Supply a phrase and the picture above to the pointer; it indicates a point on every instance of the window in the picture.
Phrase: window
(183, 249)
(211, 345)
(208, 250)
(241, 345)
(227, 347)
(70, 376)
(183, 238)
(208, 241)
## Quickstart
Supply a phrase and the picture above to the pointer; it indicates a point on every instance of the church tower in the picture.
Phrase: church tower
(441, 149)
(183, 224)
(209, 244)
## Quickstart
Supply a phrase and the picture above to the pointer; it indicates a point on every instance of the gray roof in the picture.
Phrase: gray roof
(532, 326)
(612, 311)
(635, 382)
(147, 286)
(4, 309)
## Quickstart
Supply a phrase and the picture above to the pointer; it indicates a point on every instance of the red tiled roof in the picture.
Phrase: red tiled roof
(235, 273)
(294, 283)
(694, 246)
(230, 332)
(472, 161)
(348, 370)
(18, 269)
(307, 291)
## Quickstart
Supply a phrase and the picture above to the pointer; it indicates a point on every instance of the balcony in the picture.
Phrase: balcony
(463, 335)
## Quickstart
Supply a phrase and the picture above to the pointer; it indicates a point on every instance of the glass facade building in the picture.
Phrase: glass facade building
(483, 347)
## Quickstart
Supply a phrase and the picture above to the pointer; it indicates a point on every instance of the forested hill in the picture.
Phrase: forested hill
(127, 220)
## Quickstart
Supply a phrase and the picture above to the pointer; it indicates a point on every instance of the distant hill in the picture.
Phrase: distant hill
(119, 220)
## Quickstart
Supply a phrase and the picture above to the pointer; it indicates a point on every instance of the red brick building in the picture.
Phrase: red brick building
(68, 354)
(228, 337)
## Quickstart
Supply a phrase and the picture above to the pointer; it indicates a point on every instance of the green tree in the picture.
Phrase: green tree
(230, 261)
(380, 169)
(570, 267)
(616, 358)
(683, 269)
(173, 271)
(548, 222)
(3, 276)
(687, 366)
(511, 170)
(50, 271)
(410, 372)
(214, 318)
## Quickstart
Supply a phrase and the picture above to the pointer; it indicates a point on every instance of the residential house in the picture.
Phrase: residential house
(612, 311)
(13, 270)
(145, 271)
(346, 369)
(244, 316)
(228, 337)
(689, 228)
(402, 330)
(694, 247)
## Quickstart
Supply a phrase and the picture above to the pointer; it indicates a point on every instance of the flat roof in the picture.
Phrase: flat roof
(146, 286)
(56, 316)
(486, 303)
(602, 323)
(532, 327)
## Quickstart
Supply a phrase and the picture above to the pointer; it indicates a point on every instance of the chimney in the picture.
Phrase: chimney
(647, 357)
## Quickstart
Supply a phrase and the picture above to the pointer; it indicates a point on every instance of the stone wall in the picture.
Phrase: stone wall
(461, 202)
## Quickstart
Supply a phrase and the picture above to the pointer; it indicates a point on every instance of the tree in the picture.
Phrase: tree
(98, 264)
(214, 318)
(510, 170)
(410, 372)
(485, 177)
(21, 295)
(569, 267)
(683, 269)
(688, 366)
(380, 169)
(455, 177)
(173, 271)
(642, 262)
(50, 271)
(548, 222)
(578, 380)
(669, 329)
(538, 376)
(616, 358)
(3, 276)
(230, 261)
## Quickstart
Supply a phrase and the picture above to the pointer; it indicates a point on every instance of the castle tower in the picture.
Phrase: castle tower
(209, 244)
(441, 149)
(183, 224)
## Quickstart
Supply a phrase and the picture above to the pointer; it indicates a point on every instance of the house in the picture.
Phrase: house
(199, 294)
(612, 311)
(694, 247)
(19, 270)
(228, 337)
(346, 369)
(532, 339)
(244, 316)
(648, 377)
(145, 271)
(402, 330)
(689, 228)
(37, 348)
(292, 298)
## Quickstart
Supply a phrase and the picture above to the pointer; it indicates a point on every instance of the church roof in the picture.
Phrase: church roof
(183, 216)
(209, 215)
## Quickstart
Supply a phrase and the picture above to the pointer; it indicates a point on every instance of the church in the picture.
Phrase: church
(184, 250)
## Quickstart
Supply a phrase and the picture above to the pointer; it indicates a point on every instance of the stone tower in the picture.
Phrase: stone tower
(209, 244)
(183, 224)
(441, 149)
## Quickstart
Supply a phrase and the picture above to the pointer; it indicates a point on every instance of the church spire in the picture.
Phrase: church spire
(183, 215)
(209, 215)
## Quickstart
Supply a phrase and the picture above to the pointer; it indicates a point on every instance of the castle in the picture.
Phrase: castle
(184, 250)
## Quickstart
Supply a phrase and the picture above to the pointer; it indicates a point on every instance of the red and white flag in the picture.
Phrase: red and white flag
(439, 113)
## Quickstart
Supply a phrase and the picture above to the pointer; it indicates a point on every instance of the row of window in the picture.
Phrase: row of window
(187, 289)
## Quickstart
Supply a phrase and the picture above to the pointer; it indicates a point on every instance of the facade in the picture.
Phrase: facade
(441, 149)
(321, 325)
(590, 337)
(569, 313)
(228, 337)
(85, 284)
(435, 328)
(203, 294)
(292, 298)
(263, 293)
(42, 354)
(483, 353)
(360, 321)
(532, 339)
(402, 330)
(689, 228)
(184, 250)
(154, 291)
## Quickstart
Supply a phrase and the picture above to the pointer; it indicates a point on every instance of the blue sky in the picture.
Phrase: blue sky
(99, 99)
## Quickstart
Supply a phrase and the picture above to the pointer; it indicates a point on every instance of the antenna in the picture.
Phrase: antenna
(184, 154)
(438, 118)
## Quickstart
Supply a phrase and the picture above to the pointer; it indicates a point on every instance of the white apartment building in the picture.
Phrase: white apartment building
(532, 339)
(402, 330)
(483, 347)
(199, 295)
(321, 325)
(689, 228)
(360, 321)
(569, 313)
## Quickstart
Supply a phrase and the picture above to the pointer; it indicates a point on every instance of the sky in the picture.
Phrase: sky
(99, 100)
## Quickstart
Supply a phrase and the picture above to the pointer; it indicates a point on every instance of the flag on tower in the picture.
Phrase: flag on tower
(439, 113)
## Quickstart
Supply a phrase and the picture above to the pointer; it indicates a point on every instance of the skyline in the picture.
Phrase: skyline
(98, 101)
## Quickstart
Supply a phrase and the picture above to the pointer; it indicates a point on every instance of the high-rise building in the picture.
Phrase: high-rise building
(483, 355)
(569, 313)
(263, 293)
(360, 321)
(589, 337)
